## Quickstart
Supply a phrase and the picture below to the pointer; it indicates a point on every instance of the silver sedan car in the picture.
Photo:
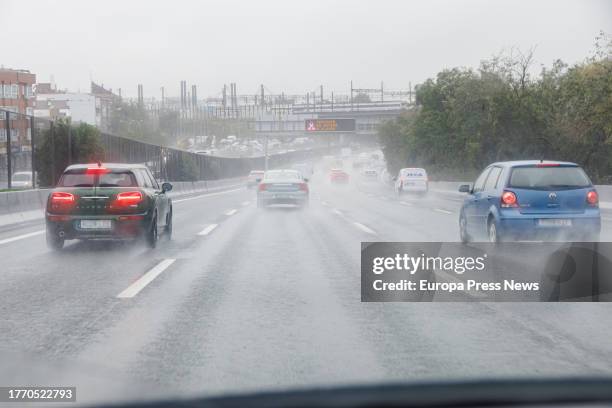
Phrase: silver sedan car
(283, 187)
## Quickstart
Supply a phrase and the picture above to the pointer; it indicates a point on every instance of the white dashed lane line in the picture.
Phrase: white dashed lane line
(20, 237)
(208, 229)
(206, 195)
(337, 212)
(145, 279)
(245, 203)
(364, 228)
(230, 212)
(442, 211)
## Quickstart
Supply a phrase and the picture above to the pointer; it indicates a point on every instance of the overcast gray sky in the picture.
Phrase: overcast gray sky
(290, 46)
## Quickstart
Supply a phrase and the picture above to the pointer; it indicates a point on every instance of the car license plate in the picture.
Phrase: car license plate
(96, 224)
(554, 222)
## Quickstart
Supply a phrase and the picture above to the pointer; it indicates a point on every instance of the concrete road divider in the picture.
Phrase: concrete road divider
(28, 205)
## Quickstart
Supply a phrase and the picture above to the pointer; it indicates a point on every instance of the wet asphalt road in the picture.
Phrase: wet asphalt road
(256, 299)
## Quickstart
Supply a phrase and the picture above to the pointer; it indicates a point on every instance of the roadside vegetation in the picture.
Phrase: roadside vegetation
(466, 118)
(54, 153)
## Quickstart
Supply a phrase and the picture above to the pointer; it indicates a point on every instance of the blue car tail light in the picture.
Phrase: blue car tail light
(593, 198)
(508, 199)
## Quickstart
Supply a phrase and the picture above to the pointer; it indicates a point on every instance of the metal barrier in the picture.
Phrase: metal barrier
(44, 148)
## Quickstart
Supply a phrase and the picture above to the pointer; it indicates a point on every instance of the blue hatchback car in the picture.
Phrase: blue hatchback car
(534, 200)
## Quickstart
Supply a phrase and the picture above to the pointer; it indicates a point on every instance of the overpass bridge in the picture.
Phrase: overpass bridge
(360, 121)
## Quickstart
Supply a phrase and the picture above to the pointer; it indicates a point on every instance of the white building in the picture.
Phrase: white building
(79, 107)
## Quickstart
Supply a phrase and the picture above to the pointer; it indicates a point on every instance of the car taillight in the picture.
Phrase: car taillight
(508, 199)
(304, 187)
(262, 186)
(592, 197)
(60, 197)
(61, 201)
(97, 170)
(128, 199)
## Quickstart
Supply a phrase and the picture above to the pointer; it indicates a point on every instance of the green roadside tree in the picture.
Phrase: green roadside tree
(62, 145)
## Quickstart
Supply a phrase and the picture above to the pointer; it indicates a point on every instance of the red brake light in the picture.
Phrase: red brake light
(128, 199)
(97, 170)
(304, 187)
(508, 199)
(60, 197)
(592, 197)
(547, 165)
(262, 187)
(61, 202)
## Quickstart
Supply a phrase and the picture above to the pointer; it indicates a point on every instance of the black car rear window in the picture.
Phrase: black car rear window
(549, 178)
(114, 178)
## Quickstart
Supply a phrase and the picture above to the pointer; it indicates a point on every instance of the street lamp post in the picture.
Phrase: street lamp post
(8, 149)
(266, 153)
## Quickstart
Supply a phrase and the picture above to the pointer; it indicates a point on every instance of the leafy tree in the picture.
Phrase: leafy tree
(466, 119)
(54, 153)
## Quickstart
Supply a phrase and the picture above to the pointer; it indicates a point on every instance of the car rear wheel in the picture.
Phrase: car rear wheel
(151, 236)
(493, 233)
(168, 231)
(54, 242)
(463, 234)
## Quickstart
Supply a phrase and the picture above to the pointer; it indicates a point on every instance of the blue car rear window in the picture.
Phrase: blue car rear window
(549, 178)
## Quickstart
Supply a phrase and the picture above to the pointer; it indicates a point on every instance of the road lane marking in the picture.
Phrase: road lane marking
(208, 229)
(145, 279)
(405, 203)
(245, 203)
(336, 211)
(325, 203)
(364, 228)
(230, 212)
(24, 236)
(207, 195)
(442, 211)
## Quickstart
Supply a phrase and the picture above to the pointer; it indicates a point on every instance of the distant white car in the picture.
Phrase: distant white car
(411, 180)
(370, 173)
(22, 180)
(254, 178)
(346, 152)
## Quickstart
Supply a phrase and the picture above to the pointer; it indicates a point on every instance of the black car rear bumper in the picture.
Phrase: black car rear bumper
(124, 226)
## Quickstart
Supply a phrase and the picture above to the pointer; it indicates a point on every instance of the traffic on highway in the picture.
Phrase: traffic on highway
(399, 204)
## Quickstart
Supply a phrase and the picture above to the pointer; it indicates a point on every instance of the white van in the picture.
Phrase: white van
(411, 180)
